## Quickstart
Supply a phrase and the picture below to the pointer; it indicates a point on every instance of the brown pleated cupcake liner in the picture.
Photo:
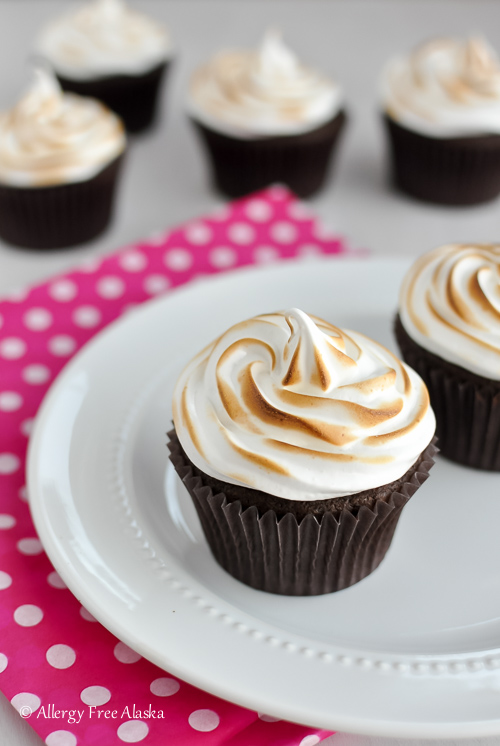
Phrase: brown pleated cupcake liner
(133, 97)
(312, 556)
(239, 166)
(449, 171)
(55, 217)
(467, 406)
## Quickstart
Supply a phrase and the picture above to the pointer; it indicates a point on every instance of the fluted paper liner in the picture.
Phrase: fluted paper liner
(319, 554)
(466, 405)
(55, 217)
(241, 166)
(450, 171)
(133, 97)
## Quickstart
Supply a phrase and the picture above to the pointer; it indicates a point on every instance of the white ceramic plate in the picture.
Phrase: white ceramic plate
(412, 650)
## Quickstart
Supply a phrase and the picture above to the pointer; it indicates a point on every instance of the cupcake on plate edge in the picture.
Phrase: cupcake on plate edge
(448, 330)
(264, 117)
(441, 109)
(60, 159)
(299, 444)
(108, 51)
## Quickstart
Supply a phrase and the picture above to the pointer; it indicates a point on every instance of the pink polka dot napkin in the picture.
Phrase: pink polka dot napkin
(58, 666)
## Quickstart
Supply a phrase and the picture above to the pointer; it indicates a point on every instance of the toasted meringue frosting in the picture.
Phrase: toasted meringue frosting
(450, 305)
(104, 37)
(445, 88)
(51, 137)
(288, 404)
(261, 93)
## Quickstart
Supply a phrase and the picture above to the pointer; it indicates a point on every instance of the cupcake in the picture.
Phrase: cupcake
(107, 51)
(299, 443)
(263, 117)
(448, 330)
(442, 115)
(60, 156)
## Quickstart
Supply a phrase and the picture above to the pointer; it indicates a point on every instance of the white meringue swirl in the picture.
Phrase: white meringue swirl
(261, 93)
(51, 137)
(288, 404)
(102, 38)
(450, 305)
(445, 88)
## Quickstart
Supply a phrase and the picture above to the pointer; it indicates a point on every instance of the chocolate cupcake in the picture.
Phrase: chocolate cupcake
(110, 52)
(299, 443)
(441, 108)
(60, 156)
(448, 330)
(264, 118)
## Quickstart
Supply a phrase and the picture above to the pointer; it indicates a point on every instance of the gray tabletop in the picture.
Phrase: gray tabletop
(165, 180)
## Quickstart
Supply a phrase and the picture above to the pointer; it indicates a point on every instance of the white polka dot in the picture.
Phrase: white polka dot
(283, 232)
(55, 580)
(125, 654)
(5, 580)
(60, 656)
(23, 494)
(61, 738)
(178, 260)
(278, 192)
(10, 401)
(300, 211)
(12, 348)
(63, 291)
(18, 295)
(132, 731)
(7, 521)
(36, 374)
(28, 615)
(132, 261)
(155, 284)
(95, 695)
(268, 718)
(85, 614)
(310, 740)
(9, 463)
(223, 256)
(86, 316)
(204, 720)
(259, 210)
(27, 426)
(110, 287)
(62, 345)
(164, 687)
(37, 319)
(198, 234)
(309, 250)
(29, 546)
(241, 233)
(26, 699)
(3, 662)
(265, 254)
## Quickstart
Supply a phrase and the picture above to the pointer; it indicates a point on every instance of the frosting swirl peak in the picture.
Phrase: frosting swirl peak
(102, 38)
(291, 405)
(445, 88)
(51, 137)
(450, 305)
(263, 92)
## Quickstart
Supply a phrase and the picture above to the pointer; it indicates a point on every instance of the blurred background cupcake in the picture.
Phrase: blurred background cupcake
(60, 156)
(442, 113)
(448, 330)
(106, 50)
(264, 117)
